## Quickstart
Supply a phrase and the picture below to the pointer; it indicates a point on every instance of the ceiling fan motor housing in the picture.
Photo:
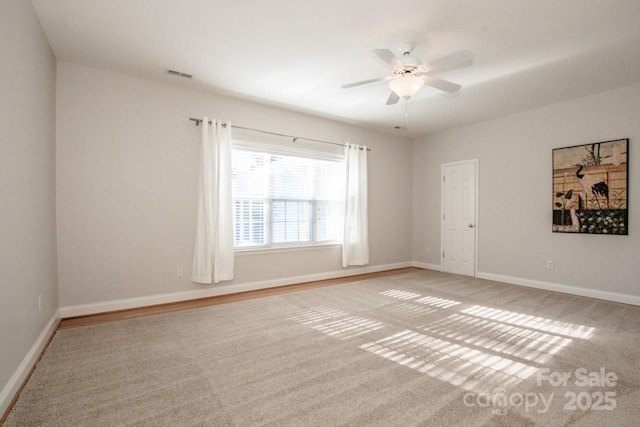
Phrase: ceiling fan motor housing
(410, 63)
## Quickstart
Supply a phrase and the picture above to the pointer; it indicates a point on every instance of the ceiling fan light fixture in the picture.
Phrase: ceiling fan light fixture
(406, 86)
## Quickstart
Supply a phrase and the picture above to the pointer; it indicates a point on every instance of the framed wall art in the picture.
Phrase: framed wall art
(590, 188)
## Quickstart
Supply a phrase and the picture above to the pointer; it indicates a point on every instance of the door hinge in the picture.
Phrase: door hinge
(442, 216)
(442, 254)
(443, 178)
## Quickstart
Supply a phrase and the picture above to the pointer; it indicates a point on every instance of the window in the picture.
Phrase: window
(284, 198)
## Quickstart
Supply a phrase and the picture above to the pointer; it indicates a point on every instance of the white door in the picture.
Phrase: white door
(459, 217)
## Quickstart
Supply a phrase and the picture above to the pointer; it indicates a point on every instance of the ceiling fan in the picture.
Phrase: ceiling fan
(409, 74)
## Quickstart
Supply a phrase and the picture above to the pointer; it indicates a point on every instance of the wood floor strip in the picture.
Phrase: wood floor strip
(114, 316)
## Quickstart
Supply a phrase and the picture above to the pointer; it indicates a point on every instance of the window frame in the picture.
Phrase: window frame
(285, 150)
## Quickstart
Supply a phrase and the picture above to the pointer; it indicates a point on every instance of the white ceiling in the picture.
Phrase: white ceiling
(297, 53)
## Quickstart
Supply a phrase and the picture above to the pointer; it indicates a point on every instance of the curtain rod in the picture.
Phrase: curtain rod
(295, 138)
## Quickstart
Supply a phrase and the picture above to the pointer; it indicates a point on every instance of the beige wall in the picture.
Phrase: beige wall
(27, 187)
(127, 183)
(514, 152)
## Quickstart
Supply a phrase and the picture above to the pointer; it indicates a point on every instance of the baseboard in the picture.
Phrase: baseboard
(11, 389)
(217, 290)
(427, 266)
(565, 289)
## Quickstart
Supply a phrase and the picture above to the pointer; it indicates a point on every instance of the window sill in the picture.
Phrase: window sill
(254, 251)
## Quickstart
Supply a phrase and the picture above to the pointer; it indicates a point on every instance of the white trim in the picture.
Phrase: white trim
(12, 387)
(565, 289)
(427, 266)
(290, 248)
(216, 290)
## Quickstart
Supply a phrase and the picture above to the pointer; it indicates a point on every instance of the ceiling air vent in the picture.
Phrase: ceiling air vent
(179, 74)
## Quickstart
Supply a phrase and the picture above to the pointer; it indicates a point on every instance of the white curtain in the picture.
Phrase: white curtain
(213, 255)
(355, 242)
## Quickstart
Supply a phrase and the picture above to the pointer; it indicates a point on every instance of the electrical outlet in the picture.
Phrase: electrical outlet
(180, 272)
(39, 302)
(550, 265)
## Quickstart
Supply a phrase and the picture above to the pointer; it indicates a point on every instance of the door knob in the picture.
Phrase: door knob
(470, 225)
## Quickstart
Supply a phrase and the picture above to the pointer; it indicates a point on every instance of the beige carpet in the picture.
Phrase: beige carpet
(418, 348)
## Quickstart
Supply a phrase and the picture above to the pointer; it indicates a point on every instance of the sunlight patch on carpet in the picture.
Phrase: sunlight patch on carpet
(418, 298)
(509, 340)
(437, 302)
(531, 322)
(336, 323)
(395, 293)
(409, 309)
(461, 366)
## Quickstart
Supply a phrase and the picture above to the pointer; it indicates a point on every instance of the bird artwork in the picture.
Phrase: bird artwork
(595, 186)
(590, 183)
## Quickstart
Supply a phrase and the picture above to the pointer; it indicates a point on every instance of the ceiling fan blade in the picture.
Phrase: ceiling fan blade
(387, 56)
(441, 84)
(393, 98)
(365, 82)
(455, 60)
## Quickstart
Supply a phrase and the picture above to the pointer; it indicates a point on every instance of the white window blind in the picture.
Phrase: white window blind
(286, 199)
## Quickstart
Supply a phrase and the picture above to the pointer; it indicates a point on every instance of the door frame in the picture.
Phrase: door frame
(476, 163)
